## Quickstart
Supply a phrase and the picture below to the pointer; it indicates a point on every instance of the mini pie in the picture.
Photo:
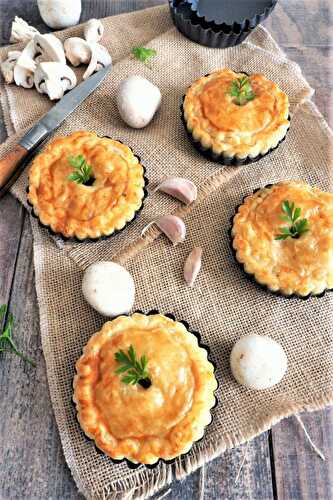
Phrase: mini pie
(141, 424)
(303, 265)
(214, 119)
(86, 211)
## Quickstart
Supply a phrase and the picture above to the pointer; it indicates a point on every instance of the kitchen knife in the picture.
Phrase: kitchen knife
(10, 164)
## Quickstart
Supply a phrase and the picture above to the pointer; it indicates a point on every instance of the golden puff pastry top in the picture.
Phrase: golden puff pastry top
(213, 117)
(86, 211)
(143, 425)
(300, 266)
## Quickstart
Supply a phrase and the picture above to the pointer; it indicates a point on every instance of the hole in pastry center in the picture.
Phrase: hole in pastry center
(145, 383)
(89, 182)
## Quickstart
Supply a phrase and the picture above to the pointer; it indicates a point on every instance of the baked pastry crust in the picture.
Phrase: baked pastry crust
(218, 123)
(300, 266)
(144, 425)
(81, 211)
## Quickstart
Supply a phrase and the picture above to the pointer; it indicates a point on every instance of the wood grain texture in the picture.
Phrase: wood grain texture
(279, 464)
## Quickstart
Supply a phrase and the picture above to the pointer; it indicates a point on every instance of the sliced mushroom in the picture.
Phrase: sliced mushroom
(93, 30)
(49, 48)
(28, 56)
(7, 66)
(53, 79)
(77, 51)
(23, 77)
(100, 59)
(22, 31)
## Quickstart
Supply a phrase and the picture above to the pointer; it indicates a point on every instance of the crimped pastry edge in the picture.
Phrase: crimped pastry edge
(102, 237)
(129, 463)
(221, 158)
(251, 276)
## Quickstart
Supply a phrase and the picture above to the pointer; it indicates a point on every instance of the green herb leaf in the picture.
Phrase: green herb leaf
(296, 227)
(82, 172)
(7, 343)
(137, 370)
(144, 55)
(242, 91)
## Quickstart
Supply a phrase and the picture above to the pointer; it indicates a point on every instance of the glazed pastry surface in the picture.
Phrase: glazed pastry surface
(143, 425)
(300, 266)
(80, 210)
(213, 117)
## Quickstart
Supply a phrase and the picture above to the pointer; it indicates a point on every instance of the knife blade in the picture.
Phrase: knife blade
(10, 164)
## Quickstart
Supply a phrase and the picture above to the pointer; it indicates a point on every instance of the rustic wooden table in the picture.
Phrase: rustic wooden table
(278, 464)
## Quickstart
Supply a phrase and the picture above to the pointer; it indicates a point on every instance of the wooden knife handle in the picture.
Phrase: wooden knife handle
(9, 163)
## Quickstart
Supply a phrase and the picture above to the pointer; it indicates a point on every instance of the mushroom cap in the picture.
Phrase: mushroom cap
(53, 79)
(93, 30)
(59, 13)
(138, 100)
(109, 288)
(50, 48)
(77, 51)
(258, 362)
(100, 58)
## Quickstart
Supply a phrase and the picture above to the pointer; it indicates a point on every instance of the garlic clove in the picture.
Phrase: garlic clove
(192, 266)
(172, 226)
(182, 189)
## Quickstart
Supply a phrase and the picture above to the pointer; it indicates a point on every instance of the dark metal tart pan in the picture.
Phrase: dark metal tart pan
(251, 277)
(208, 29)
(130, 464)
(220, 158)
(100, 238)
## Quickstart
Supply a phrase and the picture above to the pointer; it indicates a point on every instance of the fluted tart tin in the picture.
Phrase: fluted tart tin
(251, 276)
(79, 394)
(219, 23)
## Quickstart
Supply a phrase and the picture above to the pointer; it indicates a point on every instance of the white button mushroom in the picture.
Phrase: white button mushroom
(258, 362)
(108, 288)
(138, 100)
(93, 30)
(53, 79)
(22, 31)
(59, 14)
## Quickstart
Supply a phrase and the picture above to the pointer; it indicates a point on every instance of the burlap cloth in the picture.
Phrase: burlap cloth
(223, 305)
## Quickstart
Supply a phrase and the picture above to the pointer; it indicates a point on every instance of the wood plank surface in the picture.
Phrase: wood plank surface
(278, 464)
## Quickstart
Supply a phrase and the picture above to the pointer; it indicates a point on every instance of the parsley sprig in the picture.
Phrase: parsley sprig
(296, 227)
(242, 91)
(7, 343)
(144, 55)
(137, 369)
(83, 172)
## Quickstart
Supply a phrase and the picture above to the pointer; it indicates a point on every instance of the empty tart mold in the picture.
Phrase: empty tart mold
(219, 23)
(144, 388)
(235, 118)
(282, 237)
(86, 187)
